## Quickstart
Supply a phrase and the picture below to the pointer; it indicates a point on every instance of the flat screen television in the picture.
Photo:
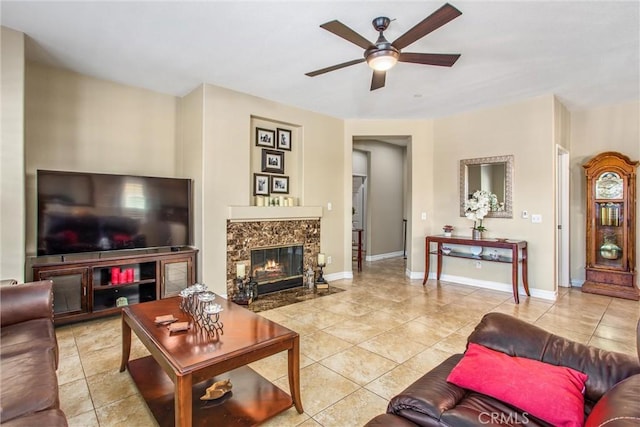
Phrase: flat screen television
(89, 212)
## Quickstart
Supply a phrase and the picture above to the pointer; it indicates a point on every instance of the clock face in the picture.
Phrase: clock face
(609, 186)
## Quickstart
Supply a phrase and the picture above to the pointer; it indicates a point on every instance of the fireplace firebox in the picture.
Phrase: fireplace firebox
(277, 268)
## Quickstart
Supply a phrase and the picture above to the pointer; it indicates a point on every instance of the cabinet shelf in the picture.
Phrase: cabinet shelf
(122, 285)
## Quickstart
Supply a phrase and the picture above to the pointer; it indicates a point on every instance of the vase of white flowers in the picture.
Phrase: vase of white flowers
(477, 207)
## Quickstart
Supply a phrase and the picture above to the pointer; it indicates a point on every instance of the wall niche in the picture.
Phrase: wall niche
(276, 163)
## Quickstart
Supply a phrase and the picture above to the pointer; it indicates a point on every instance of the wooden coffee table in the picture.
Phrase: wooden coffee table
(183, 364)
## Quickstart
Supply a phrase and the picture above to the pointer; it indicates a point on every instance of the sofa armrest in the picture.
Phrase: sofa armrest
(424, 401)
(19, 303)
(619, 406)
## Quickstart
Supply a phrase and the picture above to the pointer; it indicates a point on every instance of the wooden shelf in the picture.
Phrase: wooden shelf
(467, 255)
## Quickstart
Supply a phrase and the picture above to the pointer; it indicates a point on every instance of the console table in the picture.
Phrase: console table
(516, 246)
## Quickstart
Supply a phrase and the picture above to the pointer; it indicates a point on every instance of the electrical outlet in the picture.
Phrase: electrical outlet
(536, 219)
(329, 260)
(478, 264)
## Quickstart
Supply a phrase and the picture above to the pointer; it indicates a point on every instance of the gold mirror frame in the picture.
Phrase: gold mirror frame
(508, 184)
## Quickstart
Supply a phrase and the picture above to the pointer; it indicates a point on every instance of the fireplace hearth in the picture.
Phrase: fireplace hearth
(277, 268)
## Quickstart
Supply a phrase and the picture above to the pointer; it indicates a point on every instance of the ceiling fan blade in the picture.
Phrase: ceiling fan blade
(432, 22)
(334, 67)
(377, 81)
(341, 30)
(441, 59)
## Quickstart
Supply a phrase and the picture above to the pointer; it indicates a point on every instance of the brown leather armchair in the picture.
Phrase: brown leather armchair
(28, 357)
(611, 391)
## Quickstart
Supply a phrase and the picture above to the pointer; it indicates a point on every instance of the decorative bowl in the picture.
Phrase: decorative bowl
(446, 250)
(475, 250)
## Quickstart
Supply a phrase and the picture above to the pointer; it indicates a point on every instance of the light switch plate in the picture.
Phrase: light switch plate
(525, 214)
(423, 216)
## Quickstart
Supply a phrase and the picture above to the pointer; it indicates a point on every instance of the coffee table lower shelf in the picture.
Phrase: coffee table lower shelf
(252, 400)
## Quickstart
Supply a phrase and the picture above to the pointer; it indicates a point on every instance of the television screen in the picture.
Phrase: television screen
(87, 212)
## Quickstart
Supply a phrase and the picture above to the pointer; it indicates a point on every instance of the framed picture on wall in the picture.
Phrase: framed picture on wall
(283, 136)
(280, 184)
(265, 138)
(272, 161)
(260, 184)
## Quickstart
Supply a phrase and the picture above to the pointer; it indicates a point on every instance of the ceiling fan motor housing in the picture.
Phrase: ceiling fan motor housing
(381, 23)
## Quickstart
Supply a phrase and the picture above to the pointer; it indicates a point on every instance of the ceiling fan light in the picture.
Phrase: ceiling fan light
(382, 60)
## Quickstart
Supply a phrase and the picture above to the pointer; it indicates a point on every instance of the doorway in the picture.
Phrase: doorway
(359, 203)
(380, 188)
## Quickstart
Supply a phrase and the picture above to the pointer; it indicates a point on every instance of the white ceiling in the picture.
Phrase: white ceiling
(586, 52)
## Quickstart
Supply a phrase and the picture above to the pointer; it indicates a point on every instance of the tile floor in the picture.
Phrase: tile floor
(358, 348)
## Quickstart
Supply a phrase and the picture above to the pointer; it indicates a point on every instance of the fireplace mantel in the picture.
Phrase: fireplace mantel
(273, 213)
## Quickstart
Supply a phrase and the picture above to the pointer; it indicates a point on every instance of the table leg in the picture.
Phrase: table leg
(126, 343)
(426, 262)
(439, 261)
(294, 374)
(525, 272)
(359, 250)
(182, 401)
(514, 273)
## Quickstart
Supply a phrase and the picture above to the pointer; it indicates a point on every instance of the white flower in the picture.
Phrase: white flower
(479, 205)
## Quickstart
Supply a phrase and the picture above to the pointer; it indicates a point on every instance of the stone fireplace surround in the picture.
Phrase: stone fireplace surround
(242, 236)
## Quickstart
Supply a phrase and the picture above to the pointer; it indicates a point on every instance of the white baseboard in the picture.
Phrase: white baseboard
(486, 284)
(339, 276)
(384, 256)
(414, 275)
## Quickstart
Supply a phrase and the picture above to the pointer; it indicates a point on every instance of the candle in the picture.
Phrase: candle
(259, 201)
(240, 272)
(321, 259)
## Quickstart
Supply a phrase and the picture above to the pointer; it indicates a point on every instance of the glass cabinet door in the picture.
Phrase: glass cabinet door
(609, 220)
(69, 289)
(176, 275)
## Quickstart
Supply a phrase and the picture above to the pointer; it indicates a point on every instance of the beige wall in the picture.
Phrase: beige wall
(12, 210)
(385, 185)
(525, 130)
(611, 128)
(190, 162)
(79, 123)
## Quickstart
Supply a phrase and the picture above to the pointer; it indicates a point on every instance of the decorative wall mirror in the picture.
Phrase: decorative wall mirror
(493, 174)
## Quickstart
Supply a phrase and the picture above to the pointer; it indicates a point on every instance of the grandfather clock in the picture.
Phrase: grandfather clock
(611, 226)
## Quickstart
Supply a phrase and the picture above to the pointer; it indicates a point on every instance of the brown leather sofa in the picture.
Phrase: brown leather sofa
(612, 395)
(28, 357)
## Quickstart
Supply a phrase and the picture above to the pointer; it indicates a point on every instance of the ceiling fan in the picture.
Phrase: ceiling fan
(383, 55)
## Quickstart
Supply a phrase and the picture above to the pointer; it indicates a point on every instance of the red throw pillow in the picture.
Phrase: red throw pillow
(554, 394)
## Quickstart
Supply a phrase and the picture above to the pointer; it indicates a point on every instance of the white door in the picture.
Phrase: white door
(562, 218)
